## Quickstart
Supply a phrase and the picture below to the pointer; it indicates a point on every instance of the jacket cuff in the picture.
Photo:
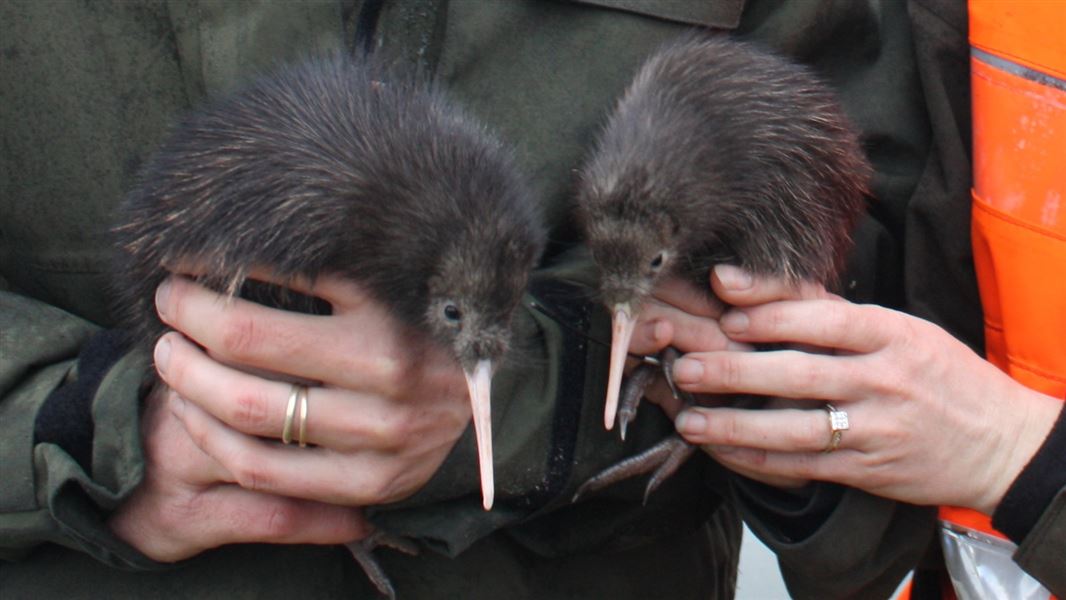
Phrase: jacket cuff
(1041, 552)
(834, 560)
(1035, 487)
(49, 494)
(792, 515)
(79, 500)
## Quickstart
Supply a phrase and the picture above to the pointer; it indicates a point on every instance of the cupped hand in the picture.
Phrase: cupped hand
(383, 412)
(931, 422)
(688, 319)
(186, 503)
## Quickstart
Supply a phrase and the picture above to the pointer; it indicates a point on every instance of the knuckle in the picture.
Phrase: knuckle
(806, 466)
(812, 434)
(197, 431)
(812, 379)
(388, 370)
(836, 320)
(282, 520)
(374, 490)
(891, 382)
(240, 336)
(733, 432)
(729, 372)
(249, 410)
(393, 431)
(250, 473)
(173, 522)
(775, 319)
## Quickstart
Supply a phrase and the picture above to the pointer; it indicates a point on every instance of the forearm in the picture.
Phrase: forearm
(59, 485)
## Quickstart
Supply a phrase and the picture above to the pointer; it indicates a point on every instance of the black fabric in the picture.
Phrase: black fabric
(720, 14)
(795, 514)
(366, 23)
(66, 419)
(1035, 487)
(564, 303)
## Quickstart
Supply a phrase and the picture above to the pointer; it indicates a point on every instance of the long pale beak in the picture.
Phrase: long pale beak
(622, 333)
(480, 384)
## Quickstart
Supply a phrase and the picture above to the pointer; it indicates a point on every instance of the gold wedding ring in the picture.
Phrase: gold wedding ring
(298, 396)
(302, 439)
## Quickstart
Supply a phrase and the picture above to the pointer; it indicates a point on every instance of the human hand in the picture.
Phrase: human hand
(930, 421)
(383, 416)
(687, 319)
(679, 316)
(188, 503)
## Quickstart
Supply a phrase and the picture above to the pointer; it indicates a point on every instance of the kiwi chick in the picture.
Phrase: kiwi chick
(718, 152)
(342, 166)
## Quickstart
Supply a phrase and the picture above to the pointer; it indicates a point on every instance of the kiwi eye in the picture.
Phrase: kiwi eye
(657, 261)
(452, 313)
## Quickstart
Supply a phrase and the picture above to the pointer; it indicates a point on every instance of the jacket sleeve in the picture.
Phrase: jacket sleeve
(1033, 512)
(911, 101)
(1042, 553)
(59, 488)
(835, 542)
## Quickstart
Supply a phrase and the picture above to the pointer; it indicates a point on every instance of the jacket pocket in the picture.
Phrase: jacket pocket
(719, 14)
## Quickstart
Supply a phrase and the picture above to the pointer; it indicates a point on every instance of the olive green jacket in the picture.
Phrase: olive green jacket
(89, 89)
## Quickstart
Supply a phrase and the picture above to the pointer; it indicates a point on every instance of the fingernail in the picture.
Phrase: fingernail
(734, 321)
(177, 406)
(690, 422)
(733, 278)
(162, 356)
(655, 331)
(162, 293)
(687, 370)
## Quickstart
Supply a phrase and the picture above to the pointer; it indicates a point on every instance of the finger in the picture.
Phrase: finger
(167, 444)
(363, 346)
(338, 291)
(662, 325)
(682, 295)
(312, 473)
(336, 419)
(783, 373)
(779, 468)
(787, 430)
(722, 455)
(170, 524)
(738, 287)
(659, 393)
(342, 294)
(237, 515)
(822, 323)
(651, 335)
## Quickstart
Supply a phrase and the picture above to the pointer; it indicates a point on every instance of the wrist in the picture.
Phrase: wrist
(1033, 415)
(1034, 490)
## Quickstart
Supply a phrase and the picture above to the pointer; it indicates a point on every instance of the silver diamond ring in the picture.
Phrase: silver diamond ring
(838, 424)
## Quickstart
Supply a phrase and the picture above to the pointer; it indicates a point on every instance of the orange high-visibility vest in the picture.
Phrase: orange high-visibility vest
(1018, 78)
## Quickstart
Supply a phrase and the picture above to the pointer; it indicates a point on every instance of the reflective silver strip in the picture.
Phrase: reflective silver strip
(1018, 69)
(981, 567)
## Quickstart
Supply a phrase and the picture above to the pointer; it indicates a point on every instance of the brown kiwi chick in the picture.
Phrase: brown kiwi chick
(718, 152)
(341, 166)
